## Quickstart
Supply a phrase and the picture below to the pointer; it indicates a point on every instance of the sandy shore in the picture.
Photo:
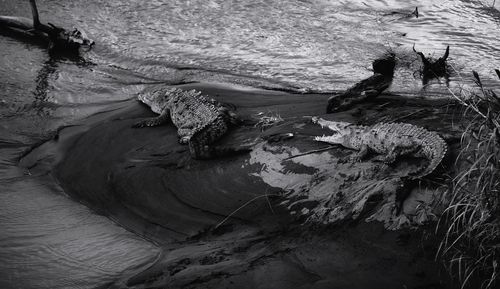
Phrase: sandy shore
(303, 234)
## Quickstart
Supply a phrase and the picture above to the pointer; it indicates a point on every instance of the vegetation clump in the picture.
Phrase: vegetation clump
(471, 223)
(267, 120)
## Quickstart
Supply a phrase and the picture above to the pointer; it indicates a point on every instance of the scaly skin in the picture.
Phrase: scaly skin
(388, 139)
(200, 121)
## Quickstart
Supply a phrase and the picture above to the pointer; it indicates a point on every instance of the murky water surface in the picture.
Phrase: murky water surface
(50, 241)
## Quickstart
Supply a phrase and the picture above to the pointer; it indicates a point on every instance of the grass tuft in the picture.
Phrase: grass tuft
(267, 120)
(471, 222)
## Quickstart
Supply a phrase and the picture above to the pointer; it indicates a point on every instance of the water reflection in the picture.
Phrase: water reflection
(50, 70)
(49, 67)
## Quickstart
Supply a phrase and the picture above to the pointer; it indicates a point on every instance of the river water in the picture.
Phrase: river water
(47, 240)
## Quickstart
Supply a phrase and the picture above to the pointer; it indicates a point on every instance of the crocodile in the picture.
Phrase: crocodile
(383, 72)
(390, 140)
(200, 120)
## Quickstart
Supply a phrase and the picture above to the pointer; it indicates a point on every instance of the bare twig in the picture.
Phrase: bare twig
(244, 205)
(310, 152)
(410, 114)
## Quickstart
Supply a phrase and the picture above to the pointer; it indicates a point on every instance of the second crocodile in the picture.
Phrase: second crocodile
(388, 139)
(200, 120)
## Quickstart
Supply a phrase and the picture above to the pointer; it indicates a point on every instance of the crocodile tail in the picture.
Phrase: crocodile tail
(199, 143)
(434, 149)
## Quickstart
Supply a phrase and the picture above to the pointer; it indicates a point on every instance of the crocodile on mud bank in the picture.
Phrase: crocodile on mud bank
(200, 120)
(390, 140)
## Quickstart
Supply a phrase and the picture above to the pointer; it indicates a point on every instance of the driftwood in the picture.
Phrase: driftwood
(434, 68)
(404, 14)
(383, 72)
(59, 39)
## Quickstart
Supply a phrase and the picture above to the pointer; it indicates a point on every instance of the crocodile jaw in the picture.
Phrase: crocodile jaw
(340, 130)
(332, 139)
(340, 127)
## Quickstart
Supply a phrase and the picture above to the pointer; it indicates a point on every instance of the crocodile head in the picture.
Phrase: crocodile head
(156, 98)
(335, 138)
(342, 132)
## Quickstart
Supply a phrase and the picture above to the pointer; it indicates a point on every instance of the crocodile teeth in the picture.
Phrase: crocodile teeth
(319, 138)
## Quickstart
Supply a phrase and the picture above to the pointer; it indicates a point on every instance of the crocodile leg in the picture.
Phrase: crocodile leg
(153, 121)
(389, 158)
(184, 134)
(359, 156)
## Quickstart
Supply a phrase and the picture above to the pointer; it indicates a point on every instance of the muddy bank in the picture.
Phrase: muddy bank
(275, 199)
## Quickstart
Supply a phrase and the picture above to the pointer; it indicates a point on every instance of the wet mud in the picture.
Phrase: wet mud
(289, 214)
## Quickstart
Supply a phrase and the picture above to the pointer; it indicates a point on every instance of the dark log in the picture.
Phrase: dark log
(422, 56)
(366, 89)
(36, 19)
(59, 38)
(446, 53)
(21, 23)
(434, 68)
(34, 12)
